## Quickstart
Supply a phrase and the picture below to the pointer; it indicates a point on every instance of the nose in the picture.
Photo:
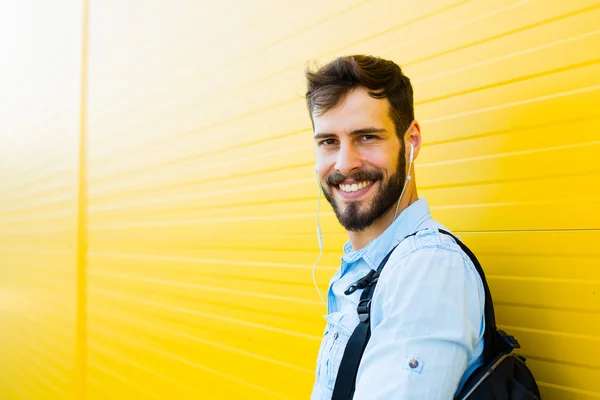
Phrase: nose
(348, 159)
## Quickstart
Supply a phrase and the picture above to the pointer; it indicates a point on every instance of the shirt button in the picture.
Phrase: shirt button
(335, 336)
(413, 364)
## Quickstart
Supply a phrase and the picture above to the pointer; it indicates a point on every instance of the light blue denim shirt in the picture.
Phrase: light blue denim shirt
(427, 306)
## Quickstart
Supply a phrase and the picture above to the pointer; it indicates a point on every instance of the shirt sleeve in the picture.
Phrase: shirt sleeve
(426, 320)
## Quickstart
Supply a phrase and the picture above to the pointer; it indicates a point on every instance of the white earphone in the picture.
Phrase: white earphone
(410, 163)
(319, 234)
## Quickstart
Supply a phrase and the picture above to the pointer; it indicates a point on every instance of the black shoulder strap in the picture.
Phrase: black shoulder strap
(346, 378)
(489, 335)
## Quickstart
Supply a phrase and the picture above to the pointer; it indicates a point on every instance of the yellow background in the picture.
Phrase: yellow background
(157, 198)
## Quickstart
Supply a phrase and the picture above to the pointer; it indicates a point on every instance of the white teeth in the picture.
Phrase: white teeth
(355, 186)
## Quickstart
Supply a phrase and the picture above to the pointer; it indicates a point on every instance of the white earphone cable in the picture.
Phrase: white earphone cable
(405, 181)
(320, 237)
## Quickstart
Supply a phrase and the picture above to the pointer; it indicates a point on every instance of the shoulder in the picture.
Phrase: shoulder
(429, 274)
(430, 256)
(429, 242)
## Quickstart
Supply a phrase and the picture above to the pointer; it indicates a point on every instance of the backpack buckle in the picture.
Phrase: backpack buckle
(509, 343)
(364, 309)
(362, 283)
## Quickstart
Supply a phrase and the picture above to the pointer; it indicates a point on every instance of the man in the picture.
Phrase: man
(427, 319)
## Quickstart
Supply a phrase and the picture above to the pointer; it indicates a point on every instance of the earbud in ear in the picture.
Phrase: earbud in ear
(412, 153)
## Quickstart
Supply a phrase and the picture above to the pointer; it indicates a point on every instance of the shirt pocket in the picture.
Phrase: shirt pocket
(339, 329)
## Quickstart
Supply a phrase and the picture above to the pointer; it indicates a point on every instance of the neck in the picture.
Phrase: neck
(360, 239)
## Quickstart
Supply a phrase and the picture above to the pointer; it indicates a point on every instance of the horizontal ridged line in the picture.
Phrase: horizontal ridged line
(165, 282)
(186, 310)
(545, 280)
(512, 104)
(538, 150)
(511, 81)
(199, 302)
(481, 182)
(198, 260)
(174, 357)
(508, 56)
(49, 215)
(47, 175)
(95, 346)
(58, 330)
(35, 250)
(230, 63)
(169, 211)
(217, 304)
(20, 378)
(501, 35)
(101, 384)
(430, 33)
(28, 374)
(184, 222)
(52, 356)
(550, 308)
(559, 362)
(195, 130)
(98, 195)
(34, 357)
(36, 192)
(568, 335)
(569, 389)
(47, 201)
(196, 157)
(128, 321)
(201, 272)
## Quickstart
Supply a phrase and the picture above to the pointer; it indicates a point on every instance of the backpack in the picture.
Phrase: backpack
(502, 376)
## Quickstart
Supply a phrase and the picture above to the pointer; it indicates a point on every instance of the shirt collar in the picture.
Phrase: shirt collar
(405, 224)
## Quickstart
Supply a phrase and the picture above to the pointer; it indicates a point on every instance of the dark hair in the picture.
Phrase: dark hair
(328, 86)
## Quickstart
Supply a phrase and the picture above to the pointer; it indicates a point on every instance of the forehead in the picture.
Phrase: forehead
(357, 110)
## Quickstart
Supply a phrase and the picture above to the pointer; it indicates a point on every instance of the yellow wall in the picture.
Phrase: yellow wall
(40, 67)
(201, 195)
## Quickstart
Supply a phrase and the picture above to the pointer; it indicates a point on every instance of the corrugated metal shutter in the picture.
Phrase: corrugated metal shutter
(202, 196)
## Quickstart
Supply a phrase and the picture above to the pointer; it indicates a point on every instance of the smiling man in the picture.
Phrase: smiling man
(426, 314)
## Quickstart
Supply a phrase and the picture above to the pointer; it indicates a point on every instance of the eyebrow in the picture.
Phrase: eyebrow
(361, 131)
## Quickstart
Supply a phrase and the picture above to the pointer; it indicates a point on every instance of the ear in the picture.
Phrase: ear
(413, 136)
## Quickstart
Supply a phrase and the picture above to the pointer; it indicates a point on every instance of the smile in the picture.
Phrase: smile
(354, 187)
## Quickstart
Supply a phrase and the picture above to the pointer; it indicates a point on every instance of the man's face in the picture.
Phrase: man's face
(358, 159)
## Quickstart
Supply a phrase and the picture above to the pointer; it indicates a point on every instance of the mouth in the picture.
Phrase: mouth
(354, 190)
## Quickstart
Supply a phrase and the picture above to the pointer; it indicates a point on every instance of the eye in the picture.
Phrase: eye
(327, 142)
(368, 138)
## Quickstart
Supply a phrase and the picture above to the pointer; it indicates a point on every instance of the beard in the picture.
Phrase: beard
(355, 217)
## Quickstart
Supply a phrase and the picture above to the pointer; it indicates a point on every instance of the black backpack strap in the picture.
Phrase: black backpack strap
(489, 336)
(495, 341)
(346, 378)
